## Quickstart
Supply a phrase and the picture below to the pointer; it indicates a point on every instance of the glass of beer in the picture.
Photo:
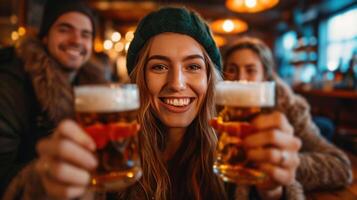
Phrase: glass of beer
(238, 103)
(108, 115)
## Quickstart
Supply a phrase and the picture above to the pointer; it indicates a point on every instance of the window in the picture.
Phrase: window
(341, 41)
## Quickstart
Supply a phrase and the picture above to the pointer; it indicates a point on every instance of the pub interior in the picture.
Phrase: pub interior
(314, 43)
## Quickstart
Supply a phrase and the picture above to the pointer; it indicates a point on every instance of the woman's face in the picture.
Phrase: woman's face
(176, 77)
(244, 64)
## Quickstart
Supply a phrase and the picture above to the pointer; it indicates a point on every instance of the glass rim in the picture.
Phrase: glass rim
(236, 82)
(107, 85)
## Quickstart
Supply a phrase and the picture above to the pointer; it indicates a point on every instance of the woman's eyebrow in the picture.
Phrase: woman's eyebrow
(158, 57)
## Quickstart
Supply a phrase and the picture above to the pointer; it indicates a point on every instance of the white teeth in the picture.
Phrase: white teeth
(177, 102)
(73, 52)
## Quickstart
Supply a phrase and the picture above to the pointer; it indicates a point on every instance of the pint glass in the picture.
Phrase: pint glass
(107, 113)
(237, 103)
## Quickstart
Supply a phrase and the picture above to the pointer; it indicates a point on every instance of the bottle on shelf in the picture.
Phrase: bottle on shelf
(350, 79)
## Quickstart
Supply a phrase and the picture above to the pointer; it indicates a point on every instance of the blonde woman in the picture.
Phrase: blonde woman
(174, 61)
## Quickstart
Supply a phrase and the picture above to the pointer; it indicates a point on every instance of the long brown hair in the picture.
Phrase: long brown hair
(189, 174)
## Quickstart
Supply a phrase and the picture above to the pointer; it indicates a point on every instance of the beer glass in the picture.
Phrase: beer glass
(107, 113)
(237, 103)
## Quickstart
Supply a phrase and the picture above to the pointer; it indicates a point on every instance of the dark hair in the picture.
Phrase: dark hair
(53, 9)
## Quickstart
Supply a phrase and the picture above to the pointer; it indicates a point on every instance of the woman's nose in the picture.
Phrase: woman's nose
(242, 76)
(177, 79)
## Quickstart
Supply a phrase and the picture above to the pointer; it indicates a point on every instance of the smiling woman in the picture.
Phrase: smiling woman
(177, 101)
(176, 78)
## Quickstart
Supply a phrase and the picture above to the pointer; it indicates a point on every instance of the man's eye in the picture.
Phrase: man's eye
(87, 35)
(63, 29)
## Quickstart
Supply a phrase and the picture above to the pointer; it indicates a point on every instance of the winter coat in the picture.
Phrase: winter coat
(34, 97)
(322, 165)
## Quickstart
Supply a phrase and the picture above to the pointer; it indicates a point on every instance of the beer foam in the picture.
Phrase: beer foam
(104, 98)
(245, 94)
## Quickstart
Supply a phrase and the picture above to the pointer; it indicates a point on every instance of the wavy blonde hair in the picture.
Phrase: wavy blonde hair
(194, 158)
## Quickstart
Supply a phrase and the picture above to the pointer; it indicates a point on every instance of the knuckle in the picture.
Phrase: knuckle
(273, 136)
(297, 143)
(62, 125)
(274, 173)
(273, 155)
(58, 170)
(278, 117)
(62, 147)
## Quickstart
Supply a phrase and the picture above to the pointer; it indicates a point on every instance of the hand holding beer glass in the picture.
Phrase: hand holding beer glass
(107, 113)
(237, 104)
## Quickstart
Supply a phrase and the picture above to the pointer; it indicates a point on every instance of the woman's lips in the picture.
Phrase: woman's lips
(176, 104)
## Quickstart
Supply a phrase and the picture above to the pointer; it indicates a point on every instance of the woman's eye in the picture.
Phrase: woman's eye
(194, 67)
(252, 71)
(159, 67)
(230, 70)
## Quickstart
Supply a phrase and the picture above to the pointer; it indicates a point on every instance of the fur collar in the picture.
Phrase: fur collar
(52, 89)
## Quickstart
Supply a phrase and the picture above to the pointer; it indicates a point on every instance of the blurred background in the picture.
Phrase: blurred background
(314, 42)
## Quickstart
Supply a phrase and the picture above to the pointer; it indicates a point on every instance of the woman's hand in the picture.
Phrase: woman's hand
(65, 159)
(274, 148)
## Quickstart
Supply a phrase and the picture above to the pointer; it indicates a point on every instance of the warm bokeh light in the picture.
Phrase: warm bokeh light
(220, 41)
(250, 6)
(118, 47)
(116, 36)
(108, 44)
(229, 26)
(13, 19)
(98, 45)
(250, 3)
(21, 31)
(129, 36)
(15, 35)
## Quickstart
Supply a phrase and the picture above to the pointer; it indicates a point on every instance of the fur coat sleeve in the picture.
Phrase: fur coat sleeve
(323, 165)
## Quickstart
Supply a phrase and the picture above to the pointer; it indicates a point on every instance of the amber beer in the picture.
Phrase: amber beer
(108, 114)
(237, 103)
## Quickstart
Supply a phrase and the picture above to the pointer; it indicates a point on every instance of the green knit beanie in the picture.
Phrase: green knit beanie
(175, 20)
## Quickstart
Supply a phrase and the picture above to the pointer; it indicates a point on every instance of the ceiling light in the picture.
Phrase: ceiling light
(229, 26)
(250, 6)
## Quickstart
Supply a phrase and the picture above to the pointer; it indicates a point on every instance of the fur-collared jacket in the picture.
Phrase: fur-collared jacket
(34, 96)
